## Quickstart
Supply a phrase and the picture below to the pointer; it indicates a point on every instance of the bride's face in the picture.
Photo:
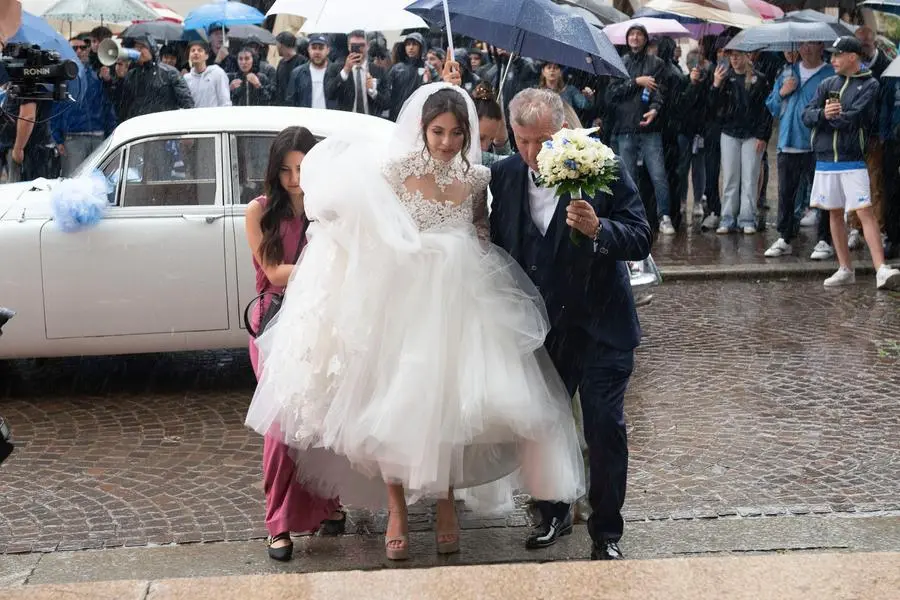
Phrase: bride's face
(445, 137)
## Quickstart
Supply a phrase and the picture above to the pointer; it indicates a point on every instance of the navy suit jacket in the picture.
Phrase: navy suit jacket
(588, 289)
(299, 92)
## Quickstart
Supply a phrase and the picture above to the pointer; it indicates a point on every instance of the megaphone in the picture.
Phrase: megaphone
(109, 51)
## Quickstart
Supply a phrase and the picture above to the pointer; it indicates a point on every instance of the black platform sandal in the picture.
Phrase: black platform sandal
(334, 527)
(281, 553)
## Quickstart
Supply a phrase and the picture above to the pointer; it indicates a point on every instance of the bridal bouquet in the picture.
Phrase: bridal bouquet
(578, 165)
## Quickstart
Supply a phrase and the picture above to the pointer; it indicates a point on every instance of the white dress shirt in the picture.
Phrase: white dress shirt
(372, 93)
(542, 201)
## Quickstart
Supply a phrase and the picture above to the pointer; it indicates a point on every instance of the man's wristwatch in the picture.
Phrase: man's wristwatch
(596, 237)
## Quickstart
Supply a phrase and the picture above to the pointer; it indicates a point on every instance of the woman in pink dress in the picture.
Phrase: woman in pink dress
(276, 231)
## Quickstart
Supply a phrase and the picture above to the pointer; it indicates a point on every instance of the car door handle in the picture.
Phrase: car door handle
(208, 219)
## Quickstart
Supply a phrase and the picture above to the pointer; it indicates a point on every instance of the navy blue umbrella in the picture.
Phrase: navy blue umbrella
(658, 14)
(534, 28)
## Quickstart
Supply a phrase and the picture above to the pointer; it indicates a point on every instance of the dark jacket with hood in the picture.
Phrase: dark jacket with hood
(682, 112)
(249, 95)
(154, 87)
(625, 97)
(402, 80)
(843, 139)
(740, 103)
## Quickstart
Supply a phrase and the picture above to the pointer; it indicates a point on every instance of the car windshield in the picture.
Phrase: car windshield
(93, 158)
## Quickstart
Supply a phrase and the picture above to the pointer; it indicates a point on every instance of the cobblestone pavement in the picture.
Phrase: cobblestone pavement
(749, 399)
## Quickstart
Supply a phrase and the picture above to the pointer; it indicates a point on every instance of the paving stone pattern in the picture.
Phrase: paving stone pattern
(749, 399)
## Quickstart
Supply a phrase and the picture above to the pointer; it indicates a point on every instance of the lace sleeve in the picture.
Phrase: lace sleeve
(392, 170)
(480, 178)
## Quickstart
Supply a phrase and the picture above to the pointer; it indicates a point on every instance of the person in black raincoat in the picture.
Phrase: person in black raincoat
(250, 87)
(407, 74)
(152, 87)
(675, 82)
(523, 74)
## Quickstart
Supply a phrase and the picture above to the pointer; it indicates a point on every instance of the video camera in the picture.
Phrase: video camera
(31, 70)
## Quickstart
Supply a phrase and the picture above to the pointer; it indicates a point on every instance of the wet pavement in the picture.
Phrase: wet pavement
(750, 398)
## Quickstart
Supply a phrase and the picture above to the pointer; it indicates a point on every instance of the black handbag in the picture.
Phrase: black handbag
(277, 299)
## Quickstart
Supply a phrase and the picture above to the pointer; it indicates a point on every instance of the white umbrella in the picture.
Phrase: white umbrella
(100, 10)
(342, 16)
(725, 12)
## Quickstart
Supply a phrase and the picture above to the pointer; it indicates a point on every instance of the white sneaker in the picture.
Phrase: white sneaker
(779, 248)
(698, 210)
(809, 219)
(710, 222)
(843, 276)
(854, 240)
(822, 251)
(665, 226)
(723, 230)
(887, 278)
(749, 230)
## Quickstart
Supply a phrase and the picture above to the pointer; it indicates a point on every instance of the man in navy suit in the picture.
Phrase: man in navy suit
(587, 290)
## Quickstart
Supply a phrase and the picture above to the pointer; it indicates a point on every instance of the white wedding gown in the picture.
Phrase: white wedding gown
(409, 350)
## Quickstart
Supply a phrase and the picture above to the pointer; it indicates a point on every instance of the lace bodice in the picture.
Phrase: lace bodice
(439, 194)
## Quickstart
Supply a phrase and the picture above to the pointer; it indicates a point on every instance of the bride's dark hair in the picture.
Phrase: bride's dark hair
(448, 101)
(279, 207)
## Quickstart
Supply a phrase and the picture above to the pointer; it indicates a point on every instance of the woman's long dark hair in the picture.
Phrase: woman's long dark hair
(448, 101)
(279, 207)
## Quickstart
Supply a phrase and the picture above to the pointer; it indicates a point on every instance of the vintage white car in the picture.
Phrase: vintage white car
(168, 268)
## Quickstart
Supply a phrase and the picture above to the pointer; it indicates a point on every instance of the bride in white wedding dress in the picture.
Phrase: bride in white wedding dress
(407, 360)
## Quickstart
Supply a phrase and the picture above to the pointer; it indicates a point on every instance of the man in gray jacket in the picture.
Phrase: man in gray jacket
(840, 116)
(208, 83)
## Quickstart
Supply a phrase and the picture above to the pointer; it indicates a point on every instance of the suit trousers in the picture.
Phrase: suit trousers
(601, 374)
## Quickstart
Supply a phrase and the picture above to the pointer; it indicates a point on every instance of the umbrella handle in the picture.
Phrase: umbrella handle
(449, 30)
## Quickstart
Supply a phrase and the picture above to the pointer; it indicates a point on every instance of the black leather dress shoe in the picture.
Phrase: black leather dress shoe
(548, 532)
(606, 550)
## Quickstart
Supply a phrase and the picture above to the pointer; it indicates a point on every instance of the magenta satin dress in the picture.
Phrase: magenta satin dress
(289, 507)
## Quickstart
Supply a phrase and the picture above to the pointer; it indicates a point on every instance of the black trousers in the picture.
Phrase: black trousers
(891, 206)
(601, 374)
(712, 142)
(793, 171)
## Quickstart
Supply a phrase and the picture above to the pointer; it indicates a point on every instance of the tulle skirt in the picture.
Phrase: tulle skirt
(424, 368)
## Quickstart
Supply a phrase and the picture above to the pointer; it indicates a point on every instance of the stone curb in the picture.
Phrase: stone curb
(762, 271)
(873, 576)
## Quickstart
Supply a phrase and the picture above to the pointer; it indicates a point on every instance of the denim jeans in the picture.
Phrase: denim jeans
(650, 146)
(740, 176)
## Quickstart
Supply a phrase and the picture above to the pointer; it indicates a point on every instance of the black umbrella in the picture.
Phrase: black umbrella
(242, 32)
(606, 13)
(808, 15)
(786, 35)
(166, 31)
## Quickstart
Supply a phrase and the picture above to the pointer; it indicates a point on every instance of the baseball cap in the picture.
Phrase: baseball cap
(318, 38)
(846, 43)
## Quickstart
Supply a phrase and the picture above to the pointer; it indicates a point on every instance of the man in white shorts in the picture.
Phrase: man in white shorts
(840, 116)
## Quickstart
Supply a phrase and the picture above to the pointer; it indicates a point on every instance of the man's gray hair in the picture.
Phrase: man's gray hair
(531, 105)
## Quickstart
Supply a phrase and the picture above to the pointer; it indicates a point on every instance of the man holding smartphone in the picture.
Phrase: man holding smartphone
(841, 116)
(354, 88)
